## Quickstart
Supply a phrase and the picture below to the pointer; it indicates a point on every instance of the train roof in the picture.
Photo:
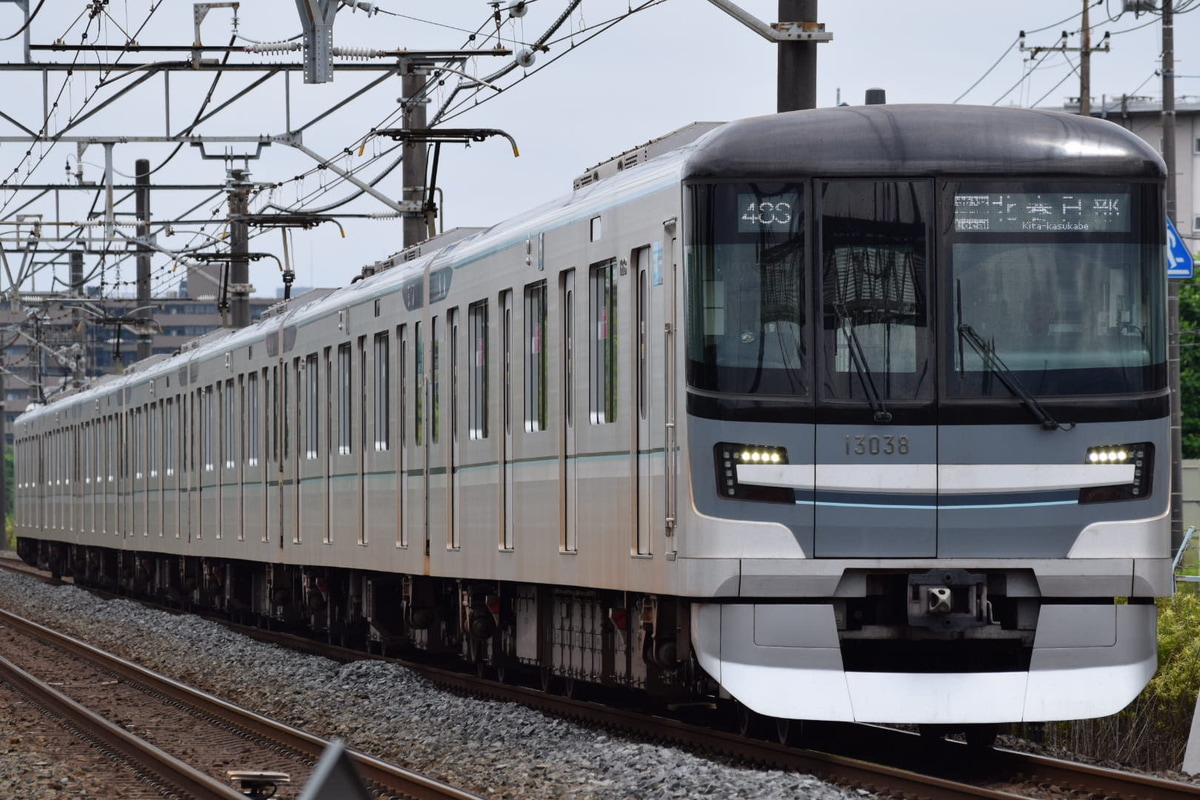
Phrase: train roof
(923, 140)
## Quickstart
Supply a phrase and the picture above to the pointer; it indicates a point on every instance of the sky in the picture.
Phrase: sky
(597, 92)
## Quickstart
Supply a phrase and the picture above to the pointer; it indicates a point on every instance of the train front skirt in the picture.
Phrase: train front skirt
(784, 661)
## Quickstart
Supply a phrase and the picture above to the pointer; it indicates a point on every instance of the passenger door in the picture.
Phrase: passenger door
(876, 446)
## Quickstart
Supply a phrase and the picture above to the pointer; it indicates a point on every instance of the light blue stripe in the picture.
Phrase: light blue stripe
(937, 508)
(1018, 505)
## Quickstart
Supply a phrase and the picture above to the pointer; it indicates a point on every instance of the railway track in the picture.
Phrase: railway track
(887, 762)
(176, 725)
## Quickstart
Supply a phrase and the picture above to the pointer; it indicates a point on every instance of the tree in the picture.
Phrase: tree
(1189, 366)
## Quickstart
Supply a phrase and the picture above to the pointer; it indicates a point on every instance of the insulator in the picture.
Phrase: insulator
(274, 47)
(100, 223)
(358, 5)
(355, 52)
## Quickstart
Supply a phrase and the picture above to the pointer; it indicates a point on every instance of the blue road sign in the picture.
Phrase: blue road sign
(1180, 263)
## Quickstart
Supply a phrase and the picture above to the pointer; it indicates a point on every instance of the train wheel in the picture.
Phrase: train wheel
(747, 723)
(570, 688)
(784, 728)
(546, 679)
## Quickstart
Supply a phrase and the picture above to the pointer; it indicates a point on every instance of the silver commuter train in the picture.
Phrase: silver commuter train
(847, 414)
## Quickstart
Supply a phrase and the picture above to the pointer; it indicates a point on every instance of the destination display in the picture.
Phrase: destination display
(1026, 212)
(776, 212)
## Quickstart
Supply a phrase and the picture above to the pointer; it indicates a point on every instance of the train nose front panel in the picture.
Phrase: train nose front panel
(875, 491)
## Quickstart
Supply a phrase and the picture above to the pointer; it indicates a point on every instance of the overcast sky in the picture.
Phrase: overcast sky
(674, 63)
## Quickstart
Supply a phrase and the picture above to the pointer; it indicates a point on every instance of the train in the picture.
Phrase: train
(852, 414)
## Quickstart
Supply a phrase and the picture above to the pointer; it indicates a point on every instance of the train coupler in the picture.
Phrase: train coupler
(948, 600)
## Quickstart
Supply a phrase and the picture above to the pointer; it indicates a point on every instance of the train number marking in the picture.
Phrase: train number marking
(887, 445)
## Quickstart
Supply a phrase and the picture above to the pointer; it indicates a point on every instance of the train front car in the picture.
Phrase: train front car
(927, 408)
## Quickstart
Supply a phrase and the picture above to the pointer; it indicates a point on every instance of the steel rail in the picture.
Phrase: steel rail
(1092, 780)
(899, 778)
(164, 767)
(396, 779)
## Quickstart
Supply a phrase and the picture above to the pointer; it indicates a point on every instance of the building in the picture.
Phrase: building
(1143, 116)
(50, 342)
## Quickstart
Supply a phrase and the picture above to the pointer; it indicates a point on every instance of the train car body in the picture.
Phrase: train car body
(847, 414)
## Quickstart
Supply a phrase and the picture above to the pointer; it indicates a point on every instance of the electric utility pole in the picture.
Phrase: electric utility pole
(237, 283)
(797, 81)
(797, 33)
(415, 165)
(1085, 51)
(1173, 366)
(142, 205)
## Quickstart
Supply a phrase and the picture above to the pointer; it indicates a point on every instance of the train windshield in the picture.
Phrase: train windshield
(1060, 287)
(746, 289)
(874, 289)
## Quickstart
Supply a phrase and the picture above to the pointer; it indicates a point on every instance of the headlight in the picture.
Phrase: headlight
(1140, 456)
(728, 455)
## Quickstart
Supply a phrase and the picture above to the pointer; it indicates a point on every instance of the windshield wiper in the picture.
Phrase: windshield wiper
(859, 359)
(994, 364)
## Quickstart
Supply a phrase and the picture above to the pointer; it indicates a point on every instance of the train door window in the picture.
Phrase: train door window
(152, 454)
(206, 434)
(874, 273)
(535, 362)
(170, 430)
(383, 434)
(139, 437)
(186, 421)
(363, 374)
(285, 410)
(506, 360)
(312, 397)
(418, 386)
(434, 354)
(253, 423)
(567, 293)
(401, 394)
(273, 398)
(292, 388)
(641, 262)
(345, 399)
(478, 374)
(603, 384)
(452, 324)
(230, 425)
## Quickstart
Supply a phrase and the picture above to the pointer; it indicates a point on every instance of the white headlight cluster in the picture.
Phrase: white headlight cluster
(730, 456)
(1108, 455)
(762, 455)
(1140, 456)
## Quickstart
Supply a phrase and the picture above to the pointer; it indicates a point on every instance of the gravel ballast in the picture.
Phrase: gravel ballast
(500, 750)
